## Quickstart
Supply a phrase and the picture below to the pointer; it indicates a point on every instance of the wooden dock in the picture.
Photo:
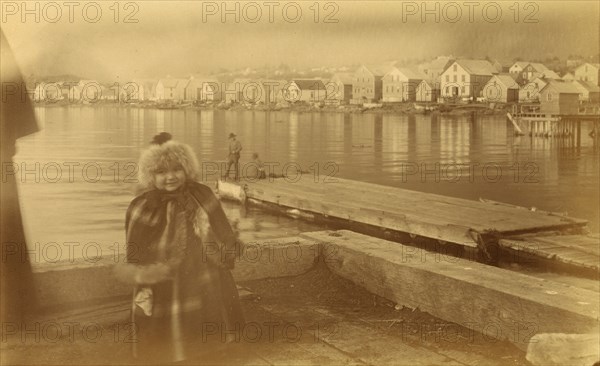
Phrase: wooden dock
(467, 223)
(546, 125)
(581, 251)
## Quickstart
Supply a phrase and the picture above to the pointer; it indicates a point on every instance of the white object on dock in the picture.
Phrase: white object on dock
(559, 349)
(231, 191)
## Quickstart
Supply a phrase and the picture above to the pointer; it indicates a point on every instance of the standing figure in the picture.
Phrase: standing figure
(235, 147)
(180, 252)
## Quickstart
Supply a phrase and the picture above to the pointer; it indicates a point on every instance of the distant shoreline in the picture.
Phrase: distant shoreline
(405, 108)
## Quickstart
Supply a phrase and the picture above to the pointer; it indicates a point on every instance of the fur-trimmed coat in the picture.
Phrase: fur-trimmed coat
(180, 252)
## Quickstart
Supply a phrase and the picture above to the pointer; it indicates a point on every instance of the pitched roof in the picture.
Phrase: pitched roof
(549, 74)
(379, 70)
(588, 63)
(562, 86)
(521, 64)
(432, 84)
(568, 76)
(539, 67)
(412, 74)
(309, 84)
(476, 67)
(588, 86)
(507, 80)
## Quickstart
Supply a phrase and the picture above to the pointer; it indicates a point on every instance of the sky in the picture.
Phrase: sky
(178, 38)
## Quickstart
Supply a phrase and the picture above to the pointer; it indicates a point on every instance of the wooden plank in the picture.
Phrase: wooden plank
(450, 233)
(422, 202)
(579, 242)
(367, 203)
(429, 215)
(365, 343)
(404, 194)
(497, 302)
(443, 222)
(301, 352)
(577, 250)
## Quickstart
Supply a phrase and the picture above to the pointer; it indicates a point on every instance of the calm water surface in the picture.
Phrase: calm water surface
(86, 178)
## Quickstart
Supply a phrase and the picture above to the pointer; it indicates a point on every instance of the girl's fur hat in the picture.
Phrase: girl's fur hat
(164, 154)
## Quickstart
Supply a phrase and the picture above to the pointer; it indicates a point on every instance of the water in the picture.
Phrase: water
(86, 159)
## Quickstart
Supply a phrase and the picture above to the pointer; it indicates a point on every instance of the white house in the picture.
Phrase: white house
(367, 83)
(501, 88)
(465, 78)
(339, 88)
(400, 85)
(139, 90)
(427, 91)
(305, 90)
(588, 72)
(171, 89)
(530, 92)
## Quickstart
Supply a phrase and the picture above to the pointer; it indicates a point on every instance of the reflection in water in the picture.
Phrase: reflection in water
(293, 137)
(543, 172)
(207, 125)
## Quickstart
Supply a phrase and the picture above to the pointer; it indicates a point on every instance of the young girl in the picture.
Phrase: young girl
(180, 250)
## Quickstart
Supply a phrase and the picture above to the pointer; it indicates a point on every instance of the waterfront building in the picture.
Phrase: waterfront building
(501, 88)
(588, 92)
(305, 90)
(427, 91)
(588, 72)
(171, 89)
(400, 85)
(559, 97)
(524, 72)
(340, 90)
(465, 78)
(530, 92)
(367, 86)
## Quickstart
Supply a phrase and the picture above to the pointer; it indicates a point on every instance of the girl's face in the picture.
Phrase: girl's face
(169, 179)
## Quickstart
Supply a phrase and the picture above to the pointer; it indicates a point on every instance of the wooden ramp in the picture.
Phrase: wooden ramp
(447, 219)
(582, 251)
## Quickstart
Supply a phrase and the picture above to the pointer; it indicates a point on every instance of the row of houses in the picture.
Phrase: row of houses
(439, 80)
(466, 79)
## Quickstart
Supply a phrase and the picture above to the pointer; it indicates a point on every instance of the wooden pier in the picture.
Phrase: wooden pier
(580, 251)
(536, 124)
(447, 220)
